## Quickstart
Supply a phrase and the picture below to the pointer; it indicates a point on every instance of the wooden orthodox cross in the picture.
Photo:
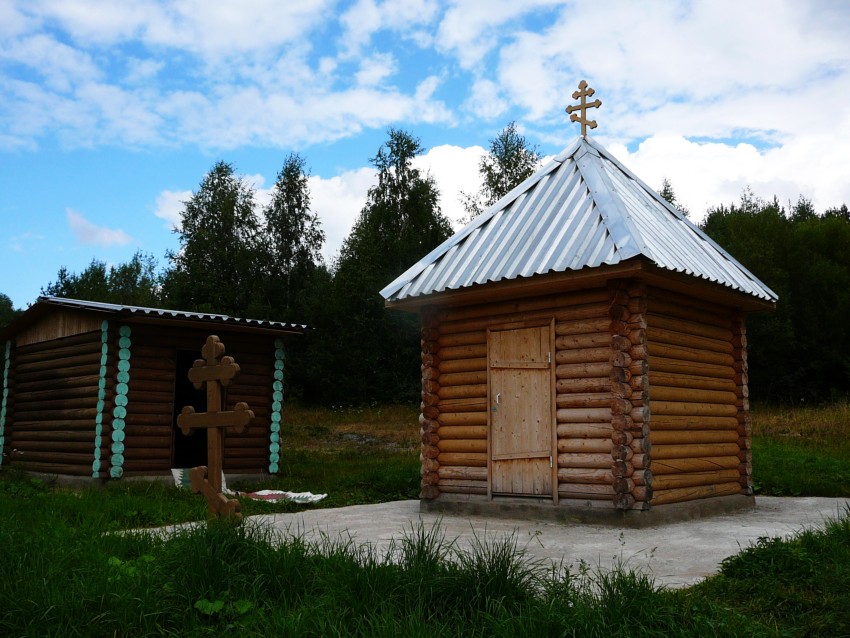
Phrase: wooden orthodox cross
(216, 371)
(583, 93)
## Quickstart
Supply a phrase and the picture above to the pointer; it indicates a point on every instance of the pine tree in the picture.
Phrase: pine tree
(669, 195)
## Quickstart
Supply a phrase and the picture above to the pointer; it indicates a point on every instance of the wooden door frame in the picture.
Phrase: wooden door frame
(516, 325)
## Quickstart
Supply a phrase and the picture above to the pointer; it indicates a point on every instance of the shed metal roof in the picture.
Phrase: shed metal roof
(584, 209)
(43, 304)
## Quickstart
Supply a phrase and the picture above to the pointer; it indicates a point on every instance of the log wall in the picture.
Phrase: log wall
(742, 395)
(253, 451)
(64, 322)
(630, 396)
(101, 403)
(6, 396)
(149, 428)
(454, 418)
(54, 402)
(650, 392)
(697, 386)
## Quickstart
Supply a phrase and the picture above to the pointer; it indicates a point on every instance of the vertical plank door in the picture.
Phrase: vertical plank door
(520, 411)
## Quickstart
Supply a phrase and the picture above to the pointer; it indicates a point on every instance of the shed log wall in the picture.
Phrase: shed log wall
(697, 386)
(52, 400)
(65, 322)
(53, 403)
(149, 426)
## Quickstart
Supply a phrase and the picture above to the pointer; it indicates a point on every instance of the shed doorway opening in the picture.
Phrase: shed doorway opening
(521, 433)
(187, 451)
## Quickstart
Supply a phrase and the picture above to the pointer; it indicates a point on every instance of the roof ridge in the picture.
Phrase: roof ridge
(624, 233)
(678, 214)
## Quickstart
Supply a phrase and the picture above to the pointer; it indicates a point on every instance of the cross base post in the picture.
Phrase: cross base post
(219, 506)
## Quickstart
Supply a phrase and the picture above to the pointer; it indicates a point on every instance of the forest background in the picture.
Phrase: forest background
(237, 259)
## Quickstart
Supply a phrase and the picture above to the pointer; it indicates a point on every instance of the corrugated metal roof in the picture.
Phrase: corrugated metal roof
(582, 210)
(168, 314)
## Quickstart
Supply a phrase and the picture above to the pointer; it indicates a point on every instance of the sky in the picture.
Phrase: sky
(111, 113)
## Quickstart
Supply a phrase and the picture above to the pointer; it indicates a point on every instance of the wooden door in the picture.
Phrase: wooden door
(521, 438)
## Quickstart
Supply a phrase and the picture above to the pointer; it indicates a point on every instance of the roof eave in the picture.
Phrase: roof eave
(520, 286)
(638, 267)
(44, 305)
(709, 290)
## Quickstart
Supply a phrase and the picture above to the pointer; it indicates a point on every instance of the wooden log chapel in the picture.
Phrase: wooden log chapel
(94, 389)
(583, 351)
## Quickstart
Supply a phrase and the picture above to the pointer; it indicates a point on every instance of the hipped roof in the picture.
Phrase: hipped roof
(582, 210)
(46, 305)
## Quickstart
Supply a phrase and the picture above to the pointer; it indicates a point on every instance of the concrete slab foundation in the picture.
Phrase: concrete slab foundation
(675, 554)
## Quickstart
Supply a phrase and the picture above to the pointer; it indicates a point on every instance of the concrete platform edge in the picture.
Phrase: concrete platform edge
(526, 509)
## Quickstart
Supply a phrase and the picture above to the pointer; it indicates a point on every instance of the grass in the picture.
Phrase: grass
(65, 573)
(63, 576)
(796, 587)
(802, 451)
(354, 455)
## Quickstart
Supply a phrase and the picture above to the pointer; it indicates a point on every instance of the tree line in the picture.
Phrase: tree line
(801, 351)
(266, 264)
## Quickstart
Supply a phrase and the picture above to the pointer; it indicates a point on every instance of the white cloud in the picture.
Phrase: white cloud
(455, 169)
(359, 23)
(704, 175)
(142, 70)
(338, 201)
(367, 17)
(212, 30)
(121, 114)
(19, 243)
(61, 66)
(375, 69)
(472, 28)
(169, 206)
(12, 21)
(485, 100)
(90, 234)
(687, 60)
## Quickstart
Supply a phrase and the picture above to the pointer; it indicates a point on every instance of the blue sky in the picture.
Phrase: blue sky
(112, 112)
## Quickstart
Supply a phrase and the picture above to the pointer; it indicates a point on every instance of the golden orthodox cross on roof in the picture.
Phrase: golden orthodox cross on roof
(582, 94)
(216, 371)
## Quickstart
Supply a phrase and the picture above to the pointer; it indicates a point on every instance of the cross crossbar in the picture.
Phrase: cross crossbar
(582, 94)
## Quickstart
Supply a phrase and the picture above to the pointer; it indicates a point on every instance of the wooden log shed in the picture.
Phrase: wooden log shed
(583, 353)
(93, 389)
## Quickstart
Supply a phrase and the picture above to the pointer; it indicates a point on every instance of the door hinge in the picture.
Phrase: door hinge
(550, 357)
